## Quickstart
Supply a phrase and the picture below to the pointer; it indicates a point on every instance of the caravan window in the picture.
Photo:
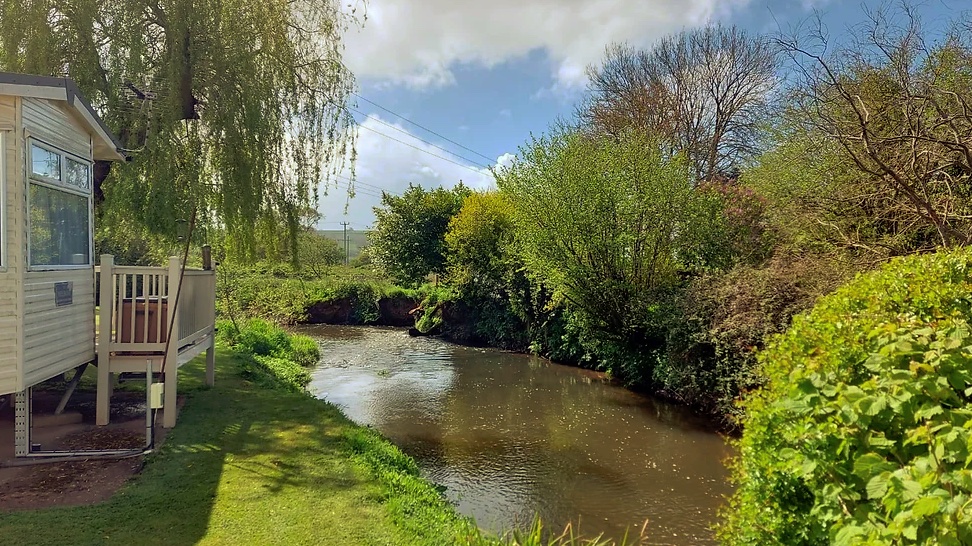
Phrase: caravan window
(59, 206)
(45, 163)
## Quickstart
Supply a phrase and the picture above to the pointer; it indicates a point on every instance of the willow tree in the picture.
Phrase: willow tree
(232, 110)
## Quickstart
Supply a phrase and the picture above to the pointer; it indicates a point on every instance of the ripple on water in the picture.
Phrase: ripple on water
(509, 435)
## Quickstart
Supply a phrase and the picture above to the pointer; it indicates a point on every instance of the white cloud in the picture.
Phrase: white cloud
(417, 42)
(386, 164)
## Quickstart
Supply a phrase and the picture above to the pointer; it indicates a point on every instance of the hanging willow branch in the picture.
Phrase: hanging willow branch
(233, 108)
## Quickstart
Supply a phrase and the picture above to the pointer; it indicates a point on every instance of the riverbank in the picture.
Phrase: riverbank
(360, 296)
(255, 460)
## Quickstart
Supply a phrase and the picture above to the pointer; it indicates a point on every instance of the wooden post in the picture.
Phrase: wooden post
(211, 314)
(107, 300)
(207, 257)
(170, 402)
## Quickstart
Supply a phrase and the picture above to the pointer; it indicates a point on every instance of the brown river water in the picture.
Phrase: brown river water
(510, 435)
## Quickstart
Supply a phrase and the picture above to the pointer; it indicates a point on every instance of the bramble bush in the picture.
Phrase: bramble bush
(862, 432)
(721, 319)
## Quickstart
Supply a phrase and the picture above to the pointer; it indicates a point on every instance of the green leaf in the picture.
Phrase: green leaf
(806, 386)
(911, 489)
(928, 412)
(872, 405)
(871, 464)
(847, 535)
(878, 486)
(926, 506)
(877, 439)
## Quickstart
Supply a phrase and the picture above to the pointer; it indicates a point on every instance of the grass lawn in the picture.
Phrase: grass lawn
(254, 463)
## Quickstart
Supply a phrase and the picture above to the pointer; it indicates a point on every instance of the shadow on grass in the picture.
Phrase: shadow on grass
(244, 463)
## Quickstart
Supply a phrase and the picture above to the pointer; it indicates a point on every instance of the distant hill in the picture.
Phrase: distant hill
(357, 239)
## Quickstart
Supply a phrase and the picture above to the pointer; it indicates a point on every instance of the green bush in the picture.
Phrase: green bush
(431, 305)
(272, 356)
(720, 321)
(304, 350)
(263, 338)
(862, 432)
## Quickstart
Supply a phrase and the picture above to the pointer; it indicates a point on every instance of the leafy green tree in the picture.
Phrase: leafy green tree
(486, 271)
(479, 240)
(408, 240)
(604, 222)
(233, 110)
(316, 253)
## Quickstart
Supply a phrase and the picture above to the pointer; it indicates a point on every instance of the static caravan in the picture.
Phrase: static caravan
(50, 138)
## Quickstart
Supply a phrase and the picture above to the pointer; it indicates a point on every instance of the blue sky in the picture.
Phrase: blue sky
(485, 75)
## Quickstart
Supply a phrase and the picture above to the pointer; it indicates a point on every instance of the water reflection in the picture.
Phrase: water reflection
(510, 435)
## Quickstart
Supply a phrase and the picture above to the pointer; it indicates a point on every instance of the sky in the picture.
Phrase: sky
(449, 88)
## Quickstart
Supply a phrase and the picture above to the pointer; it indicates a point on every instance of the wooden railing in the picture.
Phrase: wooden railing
(140, 308)
(137, 303)
(196, 313)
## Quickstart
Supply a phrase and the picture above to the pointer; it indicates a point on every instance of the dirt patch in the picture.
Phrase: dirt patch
(338, 311)
(396, 311)
(74, 482)
(459, 324)
(79, 481)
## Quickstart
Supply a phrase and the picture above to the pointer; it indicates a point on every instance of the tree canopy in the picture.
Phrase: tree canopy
(700, 93)
(604, 222)
(896, 103)
(233, 110)
(408, 241)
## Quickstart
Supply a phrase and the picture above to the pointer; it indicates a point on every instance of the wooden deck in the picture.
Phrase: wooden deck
(136, 317)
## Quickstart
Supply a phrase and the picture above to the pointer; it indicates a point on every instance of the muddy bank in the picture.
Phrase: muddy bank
(387, 311)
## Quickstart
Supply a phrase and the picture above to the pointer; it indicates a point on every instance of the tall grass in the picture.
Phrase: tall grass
(538, 535)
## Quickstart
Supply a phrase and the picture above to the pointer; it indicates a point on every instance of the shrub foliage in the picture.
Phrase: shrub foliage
(862, 434)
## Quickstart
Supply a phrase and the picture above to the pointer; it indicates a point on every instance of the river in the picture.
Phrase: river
(510, 435)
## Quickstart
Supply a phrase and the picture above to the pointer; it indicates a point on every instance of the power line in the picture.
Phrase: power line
(362, 191)
(370, 189)
(436, 146)
(375, 104)
(348, 182)
(420, 149)
(365, 184)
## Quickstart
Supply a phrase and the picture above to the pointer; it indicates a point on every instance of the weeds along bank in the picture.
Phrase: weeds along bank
(335, 295)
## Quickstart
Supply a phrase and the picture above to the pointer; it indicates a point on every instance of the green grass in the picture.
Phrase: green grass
(257, 460)
(249, 464)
